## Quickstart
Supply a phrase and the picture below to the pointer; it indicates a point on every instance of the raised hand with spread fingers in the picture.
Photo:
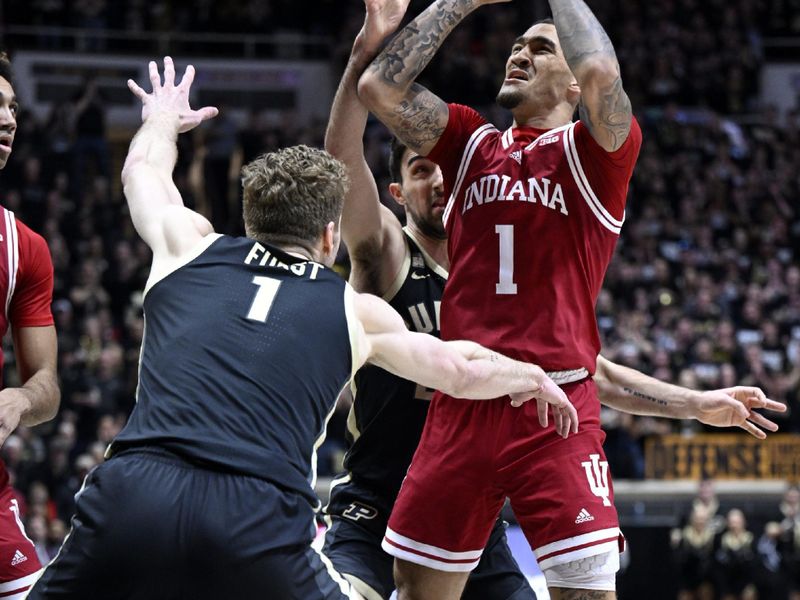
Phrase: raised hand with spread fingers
(159, 216)
(170, 99)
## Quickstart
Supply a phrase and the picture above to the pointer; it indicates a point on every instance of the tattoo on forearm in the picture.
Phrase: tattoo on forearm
(412, 49)
(568, 594)
(582, 38)
(418, 119)
(643, 396)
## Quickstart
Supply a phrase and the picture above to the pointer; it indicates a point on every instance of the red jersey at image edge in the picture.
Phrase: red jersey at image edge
(26, 283)
(532, 218)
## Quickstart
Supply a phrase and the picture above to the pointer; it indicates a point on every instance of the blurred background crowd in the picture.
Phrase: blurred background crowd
(718, 554)
(704, 289)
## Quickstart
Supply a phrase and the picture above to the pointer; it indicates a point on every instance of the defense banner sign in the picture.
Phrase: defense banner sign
(723, 456)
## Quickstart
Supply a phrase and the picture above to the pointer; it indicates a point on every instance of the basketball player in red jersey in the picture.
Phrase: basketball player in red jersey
(408, 266)
(26, 288)
(533, 214)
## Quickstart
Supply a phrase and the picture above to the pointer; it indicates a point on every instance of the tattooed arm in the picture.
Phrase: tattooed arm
(414, 114)
(633, 392)
(604, 108)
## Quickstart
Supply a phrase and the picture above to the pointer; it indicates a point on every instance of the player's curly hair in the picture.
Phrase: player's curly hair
(290, 195)
(5, 67)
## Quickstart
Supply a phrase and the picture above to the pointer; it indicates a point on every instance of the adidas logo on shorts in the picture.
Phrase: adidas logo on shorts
(583, 516)
(18, 558)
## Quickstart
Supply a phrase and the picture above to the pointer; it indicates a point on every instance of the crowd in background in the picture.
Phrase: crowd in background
(704, 289)
(719, 554)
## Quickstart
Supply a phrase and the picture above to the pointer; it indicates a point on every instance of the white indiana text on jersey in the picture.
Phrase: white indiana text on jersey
(496, 187)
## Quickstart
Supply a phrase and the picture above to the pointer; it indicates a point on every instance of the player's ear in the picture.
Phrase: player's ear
(574, 93)
(329, 239)
(396, 190)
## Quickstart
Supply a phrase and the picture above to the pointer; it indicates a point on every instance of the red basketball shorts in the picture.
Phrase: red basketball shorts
(19, 565)
(475, 453)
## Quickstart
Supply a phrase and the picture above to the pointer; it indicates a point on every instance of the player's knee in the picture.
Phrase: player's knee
(406, 579)
(415, 582)
(598, 572)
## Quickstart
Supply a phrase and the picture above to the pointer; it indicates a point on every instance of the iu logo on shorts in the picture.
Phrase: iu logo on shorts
(597, 474)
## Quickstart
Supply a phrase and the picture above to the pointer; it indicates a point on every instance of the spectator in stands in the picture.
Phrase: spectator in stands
(707, 499)
(219, 172)
(90, 136)
(735, 560)
(56, 531)
(790, 539)
(37, 532)
(693, 552)
(771, 579)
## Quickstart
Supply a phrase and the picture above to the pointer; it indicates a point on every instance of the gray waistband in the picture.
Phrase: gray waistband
(570, 376)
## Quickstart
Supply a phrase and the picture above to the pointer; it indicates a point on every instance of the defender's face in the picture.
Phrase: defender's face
(423, 193)
(535, 68)
(8, 120)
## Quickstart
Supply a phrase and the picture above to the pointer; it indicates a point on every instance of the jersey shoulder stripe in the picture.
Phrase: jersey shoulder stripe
(603, 216)
(12, 254)
(402, 274)
(472, 144)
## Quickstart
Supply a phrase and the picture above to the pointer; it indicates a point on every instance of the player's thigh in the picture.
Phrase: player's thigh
(417, 582)
(498, 576)
(110, 550)
(563, 500)
(290, 573)
(356, 553)
(449, 499)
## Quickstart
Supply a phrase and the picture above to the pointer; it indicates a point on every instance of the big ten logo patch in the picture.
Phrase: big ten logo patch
(597, 474)
(357, 511)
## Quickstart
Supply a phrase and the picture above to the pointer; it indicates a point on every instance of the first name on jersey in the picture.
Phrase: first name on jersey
(262, 257)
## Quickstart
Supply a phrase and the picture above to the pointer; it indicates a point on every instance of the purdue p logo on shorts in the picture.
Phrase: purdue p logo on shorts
(597, 474)
(357, 511)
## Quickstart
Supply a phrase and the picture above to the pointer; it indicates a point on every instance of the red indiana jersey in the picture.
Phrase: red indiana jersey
(26, 283)
(533, 218)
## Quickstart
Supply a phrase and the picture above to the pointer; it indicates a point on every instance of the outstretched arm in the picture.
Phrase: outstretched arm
(154, 202)
(461, 369)
(604, 107)
(371, 232)
(633, 392)
(387, 88)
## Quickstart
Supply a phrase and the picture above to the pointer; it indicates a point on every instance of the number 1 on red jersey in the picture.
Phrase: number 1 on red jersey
(505, 284)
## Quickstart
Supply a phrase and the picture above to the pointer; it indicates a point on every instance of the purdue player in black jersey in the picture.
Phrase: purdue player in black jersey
(208, 490)
(408, 266)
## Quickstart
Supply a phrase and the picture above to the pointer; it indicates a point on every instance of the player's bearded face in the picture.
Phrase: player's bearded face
(423, 196)
(509, 99)
(428, 216)
(536, 71)
(8, 120)
(426, 210)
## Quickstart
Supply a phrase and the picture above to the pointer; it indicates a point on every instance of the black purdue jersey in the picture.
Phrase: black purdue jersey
(245, 351)
(388, 412)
